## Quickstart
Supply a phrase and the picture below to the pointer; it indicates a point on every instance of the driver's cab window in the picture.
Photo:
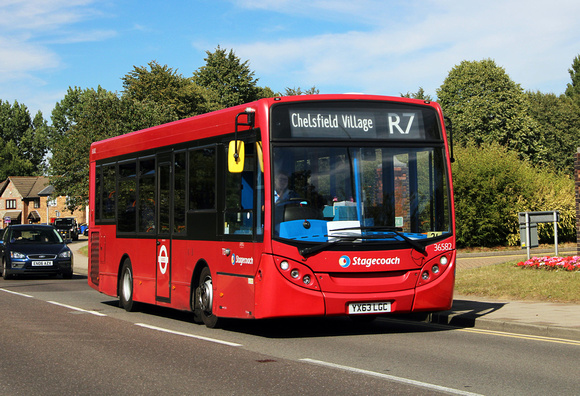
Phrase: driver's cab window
(295, 199)
(240, 215)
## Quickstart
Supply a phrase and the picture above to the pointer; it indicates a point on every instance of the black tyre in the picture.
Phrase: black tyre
(5, 274)
(126, 287)
(204, 300)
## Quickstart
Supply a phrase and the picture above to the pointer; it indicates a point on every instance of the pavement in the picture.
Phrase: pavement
(544, 319)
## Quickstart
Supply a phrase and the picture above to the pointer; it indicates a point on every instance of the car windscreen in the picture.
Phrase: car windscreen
(63, 223)
(39, 236)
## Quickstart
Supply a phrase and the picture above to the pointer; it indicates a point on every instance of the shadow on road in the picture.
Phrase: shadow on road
(463, 314)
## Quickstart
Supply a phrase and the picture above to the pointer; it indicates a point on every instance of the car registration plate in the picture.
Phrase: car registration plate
(366, 308)
(43, 263)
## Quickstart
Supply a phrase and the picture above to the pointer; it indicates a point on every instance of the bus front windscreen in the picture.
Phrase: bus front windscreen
(364, 194)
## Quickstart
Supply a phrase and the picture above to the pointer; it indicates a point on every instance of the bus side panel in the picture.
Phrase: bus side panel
(143, 256)
(236, 298)
(276, 297)
(438, 295)
(100, 267)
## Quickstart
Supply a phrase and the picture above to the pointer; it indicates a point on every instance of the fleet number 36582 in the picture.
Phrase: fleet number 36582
(443, 247)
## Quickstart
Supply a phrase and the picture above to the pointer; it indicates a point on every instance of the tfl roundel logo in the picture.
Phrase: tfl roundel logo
(344, 261)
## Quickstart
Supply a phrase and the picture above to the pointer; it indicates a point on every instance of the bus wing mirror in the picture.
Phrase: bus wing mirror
(236, 154)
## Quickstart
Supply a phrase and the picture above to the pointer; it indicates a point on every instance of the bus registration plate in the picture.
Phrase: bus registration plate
(43, 263)
(366, 308)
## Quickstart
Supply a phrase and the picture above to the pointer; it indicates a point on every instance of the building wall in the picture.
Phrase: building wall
(59, 210)
(26, 206)
(10, 193)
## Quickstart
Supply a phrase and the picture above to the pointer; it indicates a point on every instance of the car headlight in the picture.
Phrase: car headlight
(17, 255)
(65, 254)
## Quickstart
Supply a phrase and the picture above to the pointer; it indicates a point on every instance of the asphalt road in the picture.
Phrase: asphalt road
(61, 337)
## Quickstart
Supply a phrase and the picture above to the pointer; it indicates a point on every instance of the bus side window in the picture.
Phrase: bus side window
(126, 207)
(202, 179)
(109, 193)
(97, 193)
(147, 195)
(180, 173)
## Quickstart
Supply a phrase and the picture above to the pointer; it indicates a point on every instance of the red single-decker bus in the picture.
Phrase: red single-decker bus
(290, 206)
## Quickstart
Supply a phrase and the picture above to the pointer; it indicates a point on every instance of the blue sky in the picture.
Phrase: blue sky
(370, 46)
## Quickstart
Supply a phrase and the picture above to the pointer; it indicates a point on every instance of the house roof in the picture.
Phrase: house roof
(27, 186)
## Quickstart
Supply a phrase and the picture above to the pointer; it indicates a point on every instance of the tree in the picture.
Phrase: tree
(559, 120)
(486, 106)
(573, 88)
(26, 137)
(420, 94)
(298, 91)
(86, 116)
(491, 185)
(11, 163)
(230, 81)
(164, 86)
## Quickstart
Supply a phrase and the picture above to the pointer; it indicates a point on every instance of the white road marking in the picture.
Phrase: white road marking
(18, 294)
(392, 378)
(188, 335)
(76, 308)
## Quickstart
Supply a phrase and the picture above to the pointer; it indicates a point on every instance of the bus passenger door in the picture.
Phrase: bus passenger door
(164, 209)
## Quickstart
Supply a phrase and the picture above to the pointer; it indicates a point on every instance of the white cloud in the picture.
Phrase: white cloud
(18, 58)
(534, 43)
(29, 29)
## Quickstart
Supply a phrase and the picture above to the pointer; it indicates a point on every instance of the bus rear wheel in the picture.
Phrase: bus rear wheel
(204, 300)
(126, 287)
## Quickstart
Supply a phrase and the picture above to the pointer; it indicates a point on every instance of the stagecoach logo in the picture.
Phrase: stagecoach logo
(345, 261)
(242, 260)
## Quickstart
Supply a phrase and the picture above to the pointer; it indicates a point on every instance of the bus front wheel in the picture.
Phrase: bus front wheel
(126, 287)
(204, 299)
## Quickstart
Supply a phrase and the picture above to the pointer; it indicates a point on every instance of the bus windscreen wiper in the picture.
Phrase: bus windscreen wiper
(340, 238)
(398, 231)
(305, 252)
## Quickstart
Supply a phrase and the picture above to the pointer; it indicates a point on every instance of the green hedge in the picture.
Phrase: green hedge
(491, 185)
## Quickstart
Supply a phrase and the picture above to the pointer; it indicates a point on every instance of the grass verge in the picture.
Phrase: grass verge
(507, 281)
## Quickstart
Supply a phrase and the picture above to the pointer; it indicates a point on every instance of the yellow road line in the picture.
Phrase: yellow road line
(522, 336)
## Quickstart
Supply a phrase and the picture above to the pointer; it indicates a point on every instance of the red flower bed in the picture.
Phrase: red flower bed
(570, 263)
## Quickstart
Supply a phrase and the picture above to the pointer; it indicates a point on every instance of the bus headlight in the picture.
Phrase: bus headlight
(434, 269)
(297, 273)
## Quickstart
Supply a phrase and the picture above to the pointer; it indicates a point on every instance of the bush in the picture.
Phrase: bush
(491, 185)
